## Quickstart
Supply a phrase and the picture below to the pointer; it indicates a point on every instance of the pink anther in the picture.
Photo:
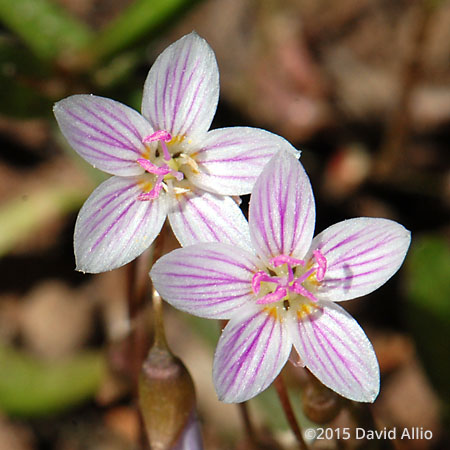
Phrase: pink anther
(258, 278)
(159, 135)
(288, 282)
(284, 259)
(279, 293)
(322, 263)
(153, 168)
(154, 193)
(163, 137)
(299, 289)
(159, 170)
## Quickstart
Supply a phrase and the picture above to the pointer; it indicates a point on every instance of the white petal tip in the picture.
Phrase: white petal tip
(238, 397)
(229, 400)
(85, 269)
(368, 395)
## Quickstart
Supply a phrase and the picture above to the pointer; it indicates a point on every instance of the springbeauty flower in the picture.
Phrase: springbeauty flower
(279, 287)
(164, 162)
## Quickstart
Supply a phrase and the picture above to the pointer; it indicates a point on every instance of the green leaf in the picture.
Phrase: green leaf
(117, 70)
(428, 265)
(20, 101)
(20, 75)
(20, 217)
(19, 60)
(45, 27)
(140, 18)
(31, 387)
(428, 309)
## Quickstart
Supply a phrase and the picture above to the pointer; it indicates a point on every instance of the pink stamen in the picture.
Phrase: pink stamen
(159, 135)
(298, 288)
(279, 293)
(258, 278)
(162, 136)
(289, 283)
(290, 274)
(145, 196)
(152, 168)
(322, 263)
(284, 259)
(159, 170)
(166, 152)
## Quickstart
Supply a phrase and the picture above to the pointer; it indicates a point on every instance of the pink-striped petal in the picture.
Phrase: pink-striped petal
(104, 132)
(336, 350)
(182, 88)
(282, 210)
(230, 159)
(362, 254)
(114, 227)
(251, 352)
(199, 216)
(210, 280)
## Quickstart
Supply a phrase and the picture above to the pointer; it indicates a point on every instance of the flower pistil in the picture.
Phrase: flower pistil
(290, 278)
(171, 168)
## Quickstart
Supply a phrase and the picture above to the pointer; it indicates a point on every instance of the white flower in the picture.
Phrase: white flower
(279, 287)
(165, 162)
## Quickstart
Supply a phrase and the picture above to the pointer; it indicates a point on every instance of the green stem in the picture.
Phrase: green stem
(158, 320)
(248, 425)
(137, 293)
(289, 412)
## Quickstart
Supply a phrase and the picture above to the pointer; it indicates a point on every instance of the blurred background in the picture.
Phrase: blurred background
(362, 87)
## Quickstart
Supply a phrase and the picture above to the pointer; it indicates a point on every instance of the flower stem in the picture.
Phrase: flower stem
(249, 429)
(288, 411)
(137, 291)
(158, 321)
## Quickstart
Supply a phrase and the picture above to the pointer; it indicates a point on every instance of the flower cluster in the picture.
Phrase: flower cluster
(276, 285)
(165, 162)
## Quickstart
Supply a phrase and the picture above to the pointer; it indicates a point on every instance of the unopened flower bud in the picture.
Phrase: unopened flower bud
(167, 398)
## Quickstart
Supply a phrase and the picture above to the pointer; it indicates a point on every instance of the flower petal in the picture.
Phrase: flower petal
(104, 132)
(199, 216)
(336, 350)
(251, 352)
(182, 88)
(282, 210)
(230, 159)
(114, 227)
(362, 254)
(208, 280)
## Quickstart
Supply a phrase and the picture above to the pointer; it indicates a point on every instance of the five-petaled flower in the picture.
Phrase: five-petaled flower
(278, 287)
(165, 162)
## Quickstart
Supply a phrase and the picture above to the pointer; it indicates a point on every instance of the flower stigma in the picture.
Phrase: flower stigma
(166, 163)
(290, 283)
